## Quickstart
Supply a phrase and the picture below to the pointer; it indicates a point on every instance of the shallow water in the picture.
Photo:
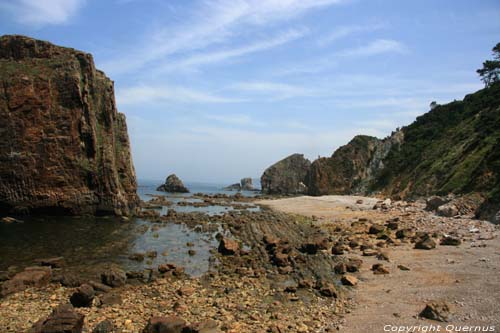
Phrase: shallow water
(87, 243)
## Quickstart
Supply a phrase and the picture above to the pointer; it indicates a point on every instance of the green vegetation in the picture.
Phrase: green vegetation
(490, 73)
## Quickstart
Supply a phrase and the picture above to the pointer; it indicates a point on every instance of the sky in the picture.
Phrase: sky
(218, 90)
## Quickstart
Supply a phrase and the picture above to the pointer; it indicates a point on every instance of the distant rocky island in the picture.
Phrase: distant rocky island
(173, 185)
(64, 148)
(245, 184)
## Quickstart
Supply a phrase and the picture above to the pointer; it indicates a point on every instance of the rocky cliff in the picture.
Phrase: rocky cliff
(351, 168)
(286, 176)
(64, 148)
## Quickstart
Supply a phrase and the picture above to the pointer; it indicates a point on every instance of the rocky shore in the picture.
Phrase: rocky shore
(321, 265)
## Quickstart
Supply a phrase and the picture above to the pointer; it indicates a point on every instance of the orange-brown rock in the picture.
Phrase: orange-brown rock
(64, 148)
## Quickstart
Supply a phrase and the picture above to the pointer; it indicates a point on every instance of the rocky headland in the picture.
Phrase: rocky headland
(64, 148)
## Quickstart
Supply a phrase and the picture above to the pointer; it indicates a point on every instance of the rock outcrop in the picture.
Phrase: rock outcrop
(287, 176)
(173, 185)
(64, 148)
(352, 167)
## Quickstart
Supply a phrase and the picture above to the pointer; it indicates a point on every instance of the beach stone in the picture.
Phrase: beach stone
(63, 319)
(447, 210)
(425, 243)
(379, 269)
(83, 296)
(349, 280)
(136, 257)
(31, 277)
(228, 247)
(439, 311)
(328, 290)
(171, 324)
(340, 268)
(353, 265)
(114, 277)
(105, 326)
(370, 252)
(404, 233)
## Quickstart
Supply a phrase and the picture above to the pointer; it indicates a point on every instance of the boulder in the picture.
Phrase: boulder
(208, 326)
(114, 277)
(83, 296)
(447, 210)
(31, 277)
(286, 176)
(171, 324)
(173, 185)
(63, 319)
(65, 150)
(439, 311)
(376, 229)
(228, 247)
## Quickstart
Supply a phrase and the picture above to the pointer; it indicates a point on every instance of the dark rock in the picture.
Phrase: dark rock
(105, 326)
(228, 247)
(403, 267)
(425, 243)
(449, 240)
(353, 265)
(404, 233)
(63, 319)
(57, 262)
(340, 268)
(315, 245)
(439, 311)
(31, 277)
(328, 290)
(170, 324)
(233, 187)
(287, 176)
(100, 287)
(114, 277)
(173, 185)
(376, 229)
(72, 152)
(83, 296)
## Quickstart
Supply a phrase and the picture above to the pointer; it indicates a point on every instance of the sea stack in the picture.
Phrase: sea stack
(64, 148)
(287, 176)
(173, 185)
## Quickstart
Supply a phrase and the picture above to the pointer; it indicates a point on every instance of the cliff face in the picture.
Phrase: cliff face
(352, 167)
(286, 176)
(64, 148)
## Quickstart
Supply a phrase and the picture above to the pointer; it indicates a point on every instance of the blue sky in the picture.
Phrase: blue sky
(219, 90)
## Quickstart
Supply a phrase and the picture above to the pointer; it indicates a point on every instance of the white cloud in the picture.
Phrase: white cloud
(212, 23)
(165, 93)
(274, 90)
(345, 31)
(375, 47)
(39, 13)
(218, 56)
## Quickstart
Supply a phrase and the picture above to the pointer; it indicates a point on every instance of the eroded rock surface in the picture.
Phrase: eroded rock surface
(286, 176)
(64, 148)
(173, 185)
